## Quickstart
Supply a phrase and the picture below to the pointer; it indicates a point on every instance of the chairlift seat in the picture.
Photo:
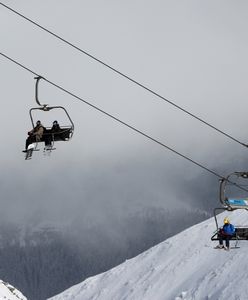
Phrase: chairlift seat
(64, 134)
(241, 233)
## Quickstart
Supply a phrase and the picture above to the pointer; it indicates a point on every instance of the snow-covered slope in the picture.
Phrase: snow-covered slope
(183, 267)
(8, 292)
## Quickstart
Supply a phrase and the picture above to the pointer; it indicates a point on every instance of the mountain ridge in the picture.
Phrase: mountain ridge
(185, 266)
(8, 292)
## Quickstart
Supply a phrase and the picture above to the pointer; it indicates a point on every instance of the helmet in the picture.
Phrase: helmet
(55, 122)
(226, 220)
(38, 122)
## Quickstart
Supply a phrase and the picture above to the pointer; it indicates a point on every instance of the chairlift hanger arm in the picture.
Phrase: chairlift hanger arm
(38, 78)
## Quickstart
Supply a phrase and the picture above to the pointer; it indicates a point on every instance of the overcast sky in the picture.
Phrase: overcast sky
(194, 53)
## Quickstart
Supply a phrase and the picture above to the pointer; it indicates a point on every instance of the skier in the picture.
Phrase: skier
(55, 129)
(35, 134)
(58, 131)
(225, 233)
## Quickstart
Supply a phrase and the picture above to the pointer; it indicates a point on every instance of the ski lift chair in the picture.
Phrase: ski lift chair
(231, 204)
(65, 132)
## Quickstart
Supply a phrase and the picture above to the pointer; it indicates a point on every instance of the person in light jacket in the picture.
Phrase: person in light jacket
(35, 134)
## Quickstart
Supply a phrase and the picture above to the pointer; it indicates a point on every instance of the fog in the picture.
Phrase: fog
(192, 53)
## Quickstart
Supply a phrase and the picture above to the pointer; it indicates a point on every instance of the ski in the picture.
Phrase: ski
(28, 154)
(29, 151)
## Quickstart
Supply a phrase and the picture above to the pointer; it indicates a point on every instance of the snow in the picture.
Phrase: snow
(185, 266)
(8, 292)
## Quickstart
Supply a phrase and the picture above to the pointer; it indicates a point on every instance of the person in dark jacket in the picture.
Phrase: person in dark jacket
(55, 128)
(226, 233)
(57, 131)
(35, 134)
(53, 133)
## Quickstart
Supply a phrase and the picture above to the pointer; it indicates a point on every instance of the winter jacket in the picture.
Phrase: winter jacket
(37, 132)
(55, 128)
(228, 229)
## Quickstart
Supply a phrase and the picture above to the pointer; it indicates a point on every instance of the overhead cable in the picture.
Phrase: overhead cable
(125, 76)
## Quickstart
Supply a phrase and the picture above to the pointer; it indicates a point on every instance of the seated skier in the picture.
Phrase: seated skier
(55, 127)
(226, 233)
(56, 130)
(50, 136)
(35, 134)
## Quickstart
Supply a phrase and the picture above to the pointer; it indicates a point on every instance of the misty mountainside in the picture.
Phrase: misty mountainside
(185, 266)
(9, 292)
(43, 259)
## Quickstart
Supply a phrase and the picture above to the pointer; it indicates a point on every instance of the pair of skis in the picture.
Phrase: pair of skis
(222, 247)
(225, 248)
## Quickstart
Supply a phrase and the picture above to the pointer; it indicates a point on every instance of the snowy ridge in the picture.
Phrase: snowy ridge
(8, 292)
(183, 267)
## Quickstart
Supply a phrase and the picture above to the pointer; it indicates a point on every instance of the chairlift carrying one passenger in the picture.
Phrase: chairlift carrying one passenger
(231, 204)
(49, 136)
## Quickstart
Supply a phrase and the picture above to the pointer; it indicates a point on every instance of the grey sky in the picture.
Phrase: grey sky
(191, 52)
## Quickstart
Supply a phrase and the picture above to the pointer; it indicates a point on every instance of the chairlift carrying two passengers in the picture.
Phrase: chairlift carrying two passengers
(49, 136)
(230, 203)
